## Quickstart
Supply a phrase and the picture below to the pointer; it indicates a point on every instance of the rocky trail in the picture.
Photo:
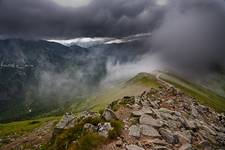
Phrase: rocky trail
(164, 119)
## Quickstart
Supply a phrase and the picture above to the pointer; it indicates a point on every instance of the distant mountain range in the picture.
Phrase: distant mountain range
(40, 77)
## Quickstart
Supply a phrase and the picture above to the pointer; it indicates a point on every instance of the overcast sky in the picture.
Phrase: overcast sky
(63, 19)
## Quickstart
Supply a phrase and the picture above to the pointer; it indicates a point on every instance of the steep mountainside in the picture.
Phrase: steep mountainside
(39, 77)
(146, 112)
(27, 68)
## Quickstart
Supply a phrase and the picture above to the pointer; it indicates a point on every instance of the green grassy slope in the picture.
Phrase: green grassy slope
(143, 82)
(202, 95)
(21, 127)
(134, 86)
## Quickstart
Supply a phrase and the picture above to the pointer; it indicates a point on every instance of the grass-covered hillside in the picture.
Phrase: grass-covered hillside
(20, 127)
(132, 87)
(203, 95)
(143, 82)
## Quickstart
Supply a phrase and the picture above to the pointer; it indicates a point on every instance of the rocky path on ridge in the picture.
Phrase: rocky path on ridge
(166, 119)
(163, 119)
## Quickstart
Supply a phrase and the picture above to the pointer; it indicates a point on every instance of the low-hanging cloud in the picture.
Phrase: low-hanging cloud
(191, 36)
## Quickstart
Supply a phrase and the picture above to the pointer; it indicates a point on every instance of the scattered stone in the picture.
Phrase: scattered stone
(144, 110)
(186, 147)
(191, 124)
(109, 115)
(104, 128)
(134, 147)
(148, 120)
(148, 130)
(66, 122)
(169, 136)
(135, 131)
(194, 111)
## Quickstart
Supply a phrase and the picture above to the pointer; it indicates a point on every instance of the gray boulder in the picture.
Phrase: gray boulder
(66, 122)
(149, 120)
(144, 110)
(169, 136)
(109, 115)
(104, 128)
(135, 131)
(149, 131)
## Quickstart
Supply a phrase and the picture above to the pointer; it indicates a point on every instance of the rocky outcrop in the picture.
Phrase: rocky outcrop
(168, 119)
(104, 128)
(66, 122)
(109, 115)
(161, 119)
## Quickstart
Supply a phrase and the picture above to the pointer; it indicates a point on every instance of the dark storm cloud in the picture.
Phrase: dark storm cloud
(46, 19)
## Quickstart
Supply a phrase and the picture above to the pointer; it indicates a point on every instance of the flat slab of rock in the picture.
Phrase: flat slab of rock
(141, 112)
(149, 120)
(148, 130)
(135, 131)
(134, 147)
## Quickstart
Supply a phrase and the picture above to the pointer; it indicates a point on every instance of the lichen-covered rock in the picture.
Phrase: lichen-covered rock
(90, 127)
(109, 115)
(104, 128)
(149, 120)
(148, 130)
(66, 122)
